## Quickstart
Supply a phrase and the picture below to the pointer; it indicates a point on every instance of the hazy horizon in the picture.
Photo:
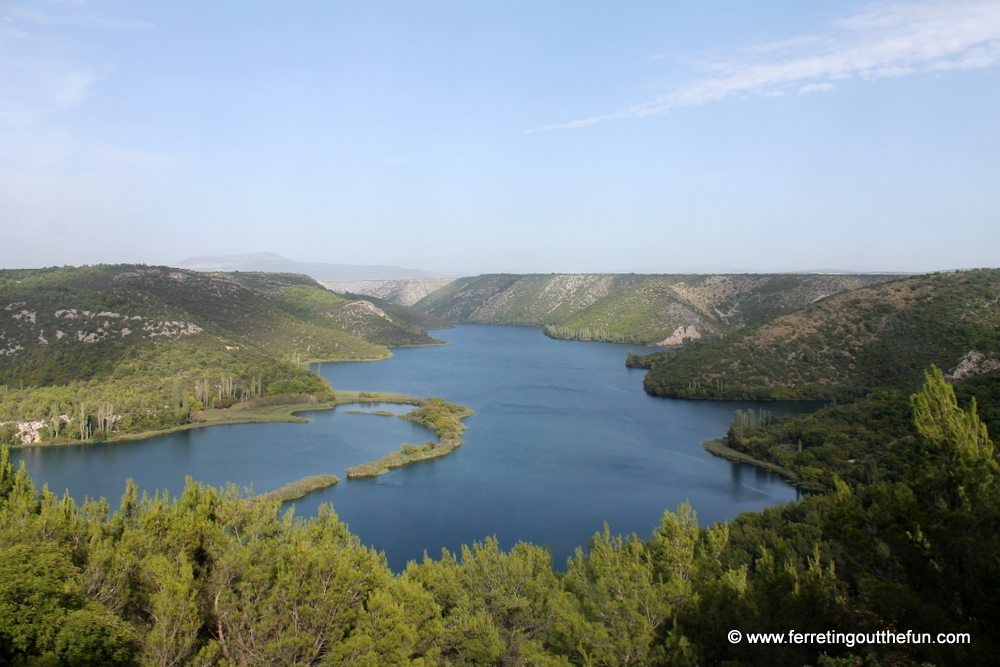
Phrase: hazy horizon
(467, 138)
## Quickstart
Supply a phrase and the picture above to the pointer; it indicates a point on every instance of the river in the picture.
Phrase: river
(563, 439)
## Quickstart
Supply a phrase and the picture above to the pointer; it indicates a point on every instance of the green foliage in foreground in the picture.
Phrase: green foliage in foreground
(208, 578)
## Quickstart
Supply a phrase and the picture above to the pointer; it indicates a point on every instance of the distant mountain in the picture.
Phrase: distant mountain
(270, 262)
(633, 308)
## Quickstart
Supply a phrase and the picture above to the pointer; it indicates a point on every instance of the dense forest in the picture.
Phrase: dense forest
(212, 577)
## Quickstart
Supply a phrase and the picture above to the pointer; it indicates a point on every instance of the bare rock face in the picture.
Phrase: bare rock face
(679, 335)
(405, 292)
(973, 363)
(366, 307)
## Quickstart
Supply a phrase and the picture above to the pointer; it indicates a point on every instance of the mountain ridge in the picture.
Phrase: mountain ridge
(274, 263)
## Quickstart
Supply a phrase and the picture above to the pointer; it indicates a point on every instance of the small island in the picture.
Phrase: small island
(441, 417)
(300, 488)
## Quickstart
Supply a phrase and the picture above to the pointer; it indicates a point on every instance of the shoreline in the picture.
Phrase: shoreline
(308, 362)
(284, 413)
(718, 447)
(449, 434)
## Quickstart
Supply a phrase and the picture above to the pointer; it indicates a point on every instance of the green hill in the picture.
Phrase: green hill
(89, 316)
(880, 336)
(635, 308)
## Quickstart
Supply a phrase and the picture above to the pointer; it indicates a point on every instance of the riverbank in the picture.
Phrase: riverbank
(718, 447)
(440, 417)
(255, 411)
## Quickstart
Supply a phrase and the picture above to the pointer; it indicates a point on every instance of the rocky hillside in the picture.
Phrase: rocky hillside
(634, 308)
(63, 324)
(883, 335)
(404, 292)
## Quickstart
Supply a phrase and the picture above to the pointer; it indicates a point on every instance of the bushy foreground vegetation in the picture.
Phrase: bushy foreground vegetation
(208, 578)
(861, 442)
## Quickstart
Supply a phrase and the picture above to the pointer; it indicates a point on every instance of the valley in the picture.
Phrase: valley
(624, 308)
(562, 439)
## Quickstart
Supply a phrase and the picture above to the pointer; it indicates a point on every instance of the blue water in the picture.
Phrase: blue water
(563, 439)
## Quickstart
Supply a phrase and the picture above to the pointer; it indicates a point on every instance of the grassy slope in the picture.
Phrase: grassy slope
(150, 345)
(646, 312)
(520, 299)
(403, 314)
(430, 303)
(845, 345)
(58, 325)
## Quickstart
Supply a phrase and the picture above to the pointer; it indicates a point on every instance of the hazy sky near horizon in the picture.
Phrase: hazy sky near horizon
(468, 137)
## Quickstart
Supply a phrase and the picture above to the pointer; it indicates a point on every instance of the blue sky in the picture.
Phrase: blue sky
(470, 137)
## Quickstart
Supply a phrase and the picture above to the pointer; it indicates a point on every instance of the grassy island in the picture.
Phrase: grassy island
(300, 488)
(441, 417)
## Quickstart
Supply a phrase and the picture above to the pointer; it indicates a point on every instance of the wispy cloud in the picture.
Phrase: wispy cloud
(881, 40)
(83, 20)
(394, 160)
(7, 29)
(35, 90)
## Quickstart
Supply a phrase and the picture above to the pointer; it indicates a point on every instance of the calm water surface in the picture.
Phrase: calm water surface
(563, 440)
